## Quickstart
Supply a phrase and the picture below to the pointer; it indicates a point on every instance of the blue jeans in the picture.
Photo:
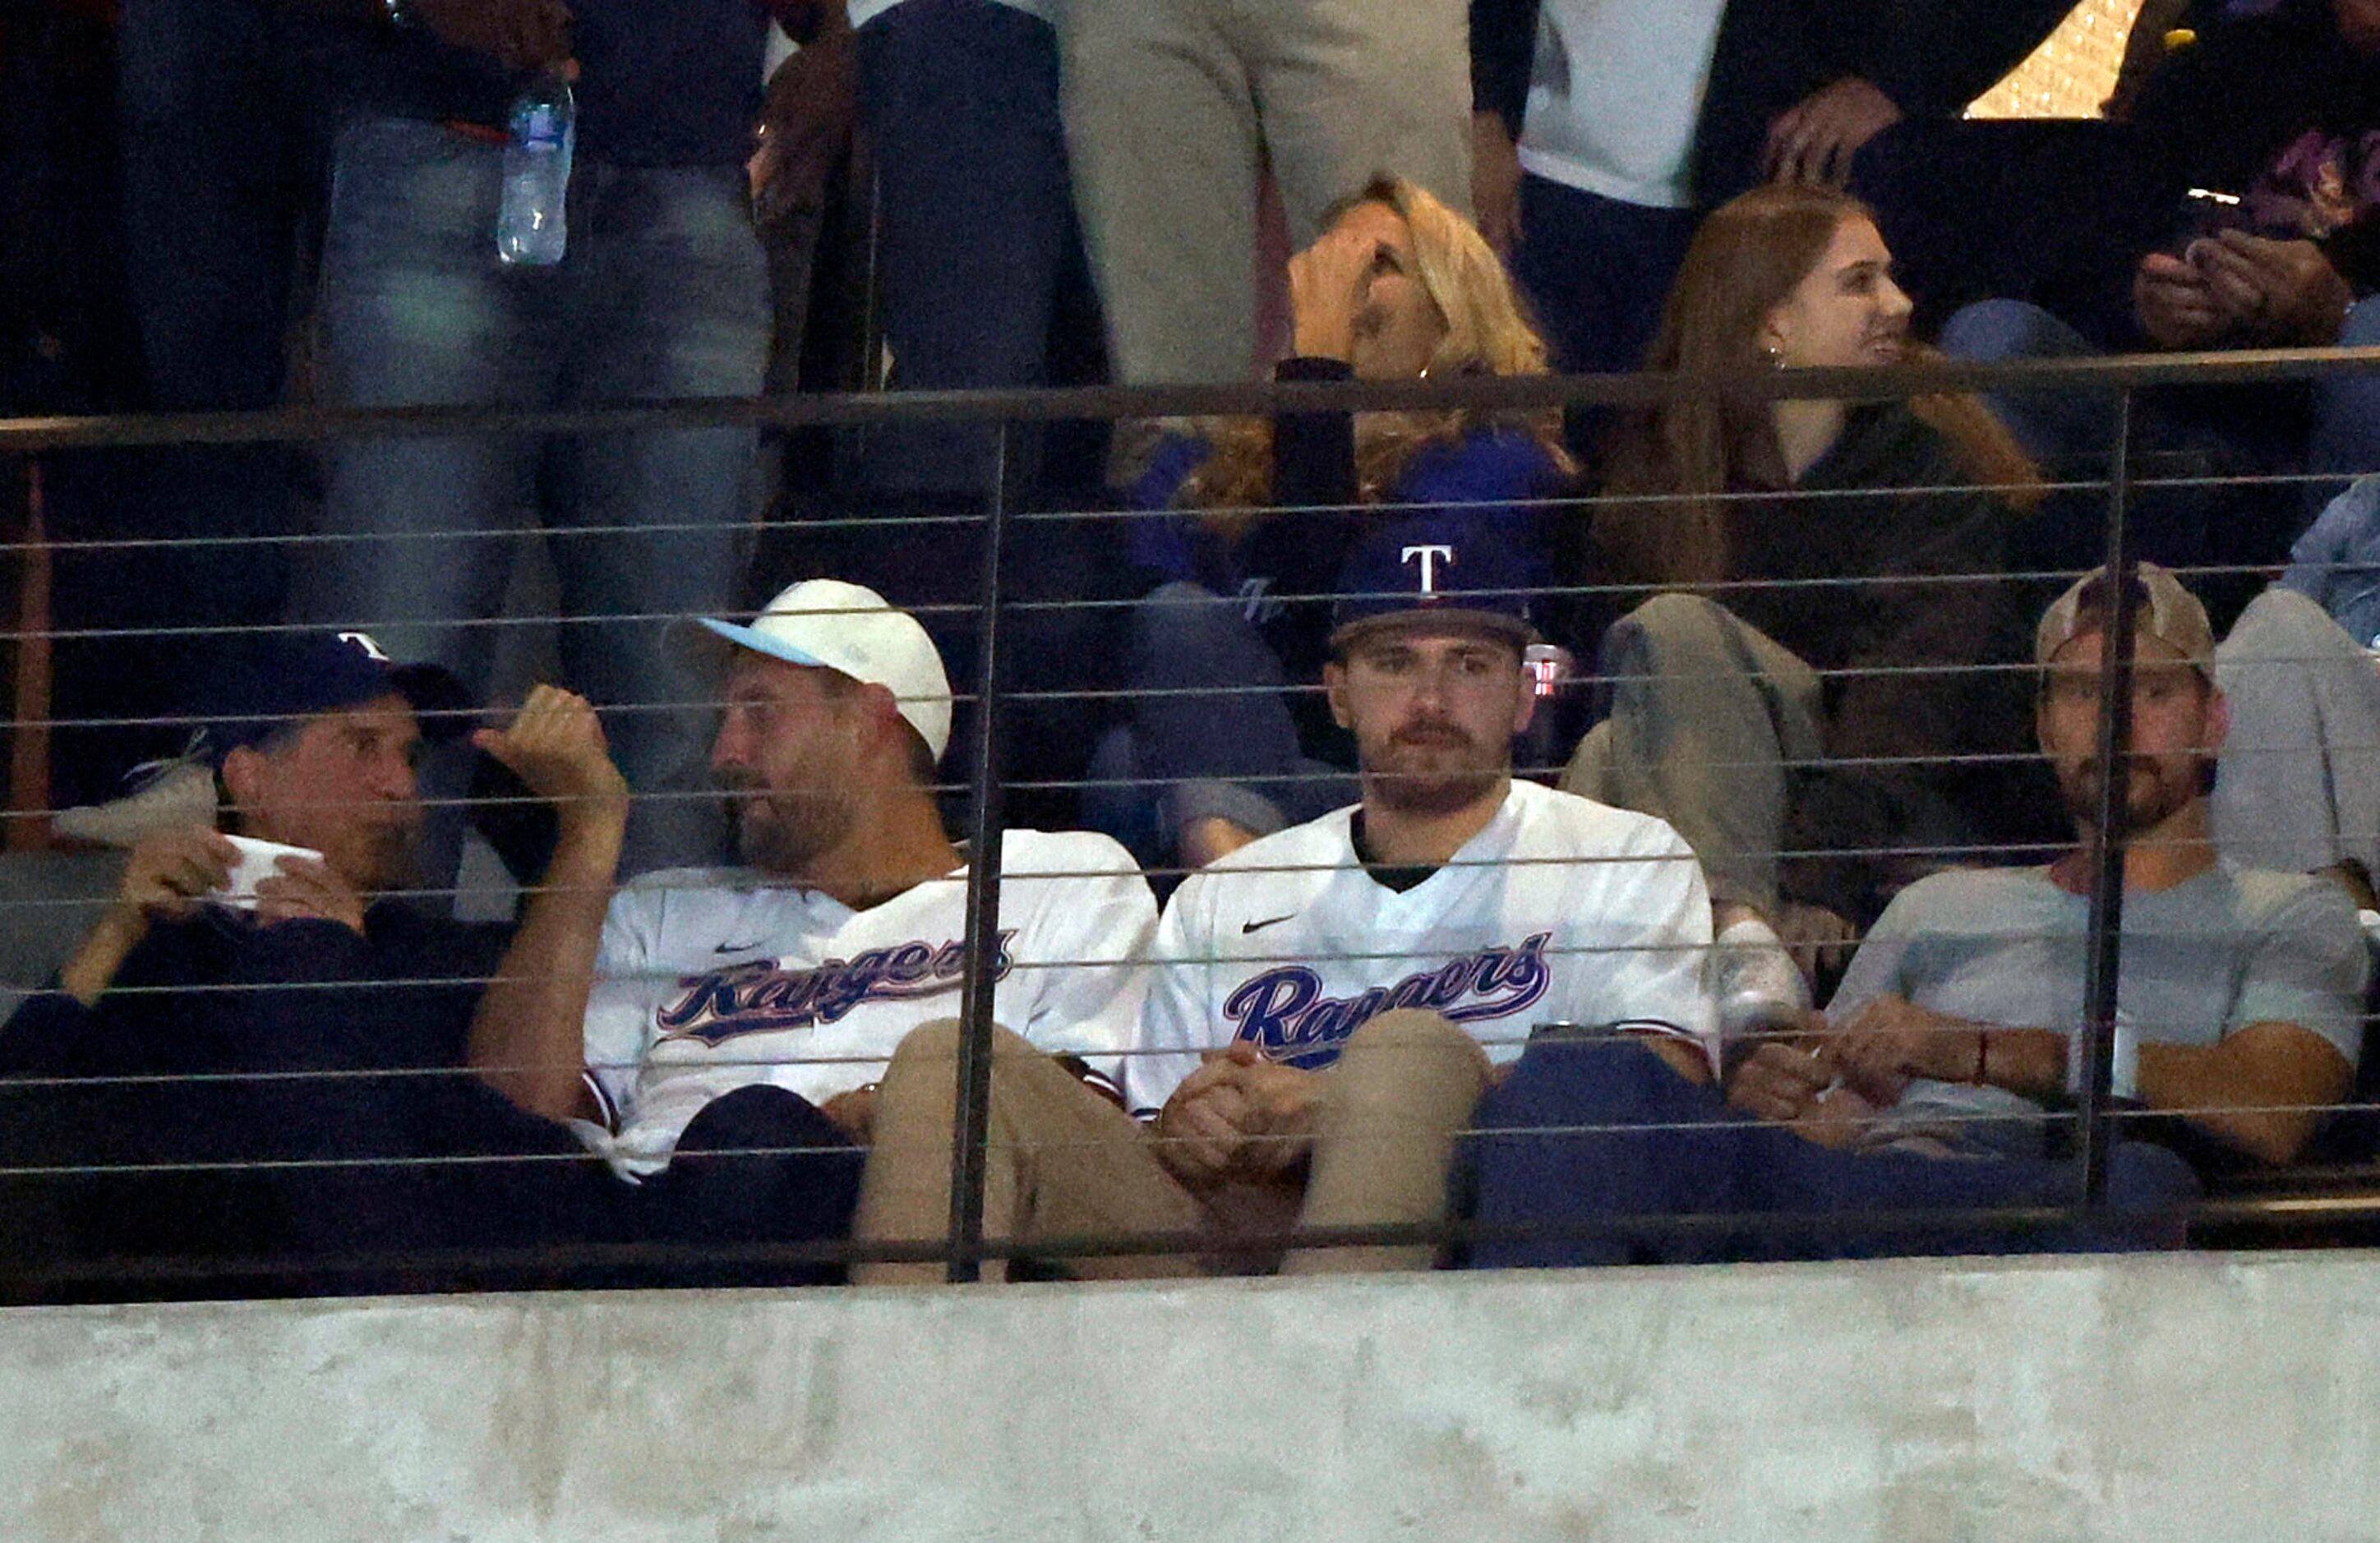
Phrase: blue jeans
(663, 294)
(1587, 1131)
(1211, 721)
(961, 102)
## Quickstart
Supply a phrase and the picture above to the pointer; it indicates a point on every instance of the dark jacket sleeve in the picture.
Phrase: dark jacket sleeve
(52, 1034)
(1909, 692)
(1930, 57)
(1314, 492)
(1933, 58)
(1313, 453)
(1503, 50)
(301, 996)
(43, 1035)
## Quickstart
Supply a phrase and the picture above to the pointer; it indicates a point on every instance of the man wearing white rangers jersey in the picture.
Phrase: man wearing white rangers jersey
(1332, 1000)
(756, 1006)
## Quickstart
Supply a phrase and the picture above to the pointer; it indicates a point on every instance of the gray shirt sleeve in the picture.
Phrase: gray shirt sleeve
(1877, 968)
(2307, 968)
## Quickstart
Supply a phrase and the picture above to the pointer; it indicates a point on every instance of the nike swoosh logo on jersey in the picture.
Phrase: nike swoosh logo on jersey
(739, 948)
(1248, 926)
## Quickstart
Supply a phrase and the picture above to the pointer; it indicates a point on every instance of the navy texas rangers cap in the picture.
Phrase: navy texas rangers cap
(276, 679)
(1441, 570)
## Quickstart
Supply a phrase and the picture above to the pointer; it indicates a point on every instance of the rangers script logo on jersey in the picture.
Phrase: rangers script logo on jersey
(762, 995)
(1285, 1014)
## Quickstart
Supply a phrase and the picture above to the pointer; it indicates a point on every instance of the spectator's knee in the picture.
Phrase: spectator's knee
(2282, 625)
(1676, 615)
(2362, 328)
(1989, 331)
(1173, 611)
(1179, 623)
(1664, 625)
(1412, 1036)
(931, 1050)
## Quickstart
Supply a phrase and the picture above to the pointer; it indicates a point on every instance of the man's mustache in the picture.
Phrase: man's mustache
(1430, 731)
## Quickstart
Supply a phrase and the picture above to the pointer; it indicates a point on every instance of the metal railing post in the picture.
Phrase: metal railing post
(2103, 963)
(970, 1130)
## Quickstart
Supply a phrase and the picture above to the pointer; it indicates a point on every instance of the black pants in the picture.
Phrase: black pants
(406, 1183)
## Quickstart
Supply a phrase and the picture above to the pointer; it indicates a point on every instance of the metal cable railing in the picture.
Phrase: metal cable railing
(2095, 1116)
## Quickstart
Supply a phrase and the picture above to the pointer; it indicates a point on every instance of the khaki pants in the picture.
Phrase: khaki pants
(1172, 106)
(1707, 715)
(1066, 1163)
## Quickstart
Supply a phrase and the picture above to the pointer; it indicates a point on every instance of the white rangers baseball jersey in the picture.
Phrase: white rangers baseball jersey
(710, 980)
(1560, 910)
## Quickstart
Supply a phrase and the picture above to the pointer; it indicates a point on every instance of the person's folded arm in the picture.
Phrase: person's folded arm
(2263, 1089)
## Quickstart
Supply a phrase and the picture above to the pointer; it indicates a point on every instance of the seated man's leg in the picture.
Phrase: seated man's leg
(1862, 1194)
(2058, 427)
(759, 1166)
(2298, 787)
(1064, 1162)
(1593, 1133)
(1706, 713)
(1212, 719)
(1601, 1135)
(1402, 1092)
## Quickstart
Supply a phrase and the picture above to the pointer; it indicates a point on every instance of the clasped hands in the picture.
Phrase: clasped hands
(2238, 287)
(1827, 1081)
(1239, 1116)
(169, 874)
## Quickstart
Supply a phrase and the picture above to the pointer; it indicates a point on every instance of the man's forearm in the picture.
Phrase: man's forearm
(94, 969)
(528, 1034)
(2263, 1089)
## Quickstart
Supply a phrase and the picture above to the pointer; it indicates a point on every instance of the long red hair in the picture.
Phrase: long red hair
(1671, 462)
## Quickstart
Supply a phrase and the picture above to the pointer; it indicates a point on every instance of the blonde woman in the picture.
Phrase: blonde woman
(1261, 516)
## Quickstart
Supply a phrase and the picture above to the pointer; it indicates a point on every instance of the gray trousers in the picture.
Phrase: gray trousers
(1173, 107)
(1708, 716)
(2300, 783)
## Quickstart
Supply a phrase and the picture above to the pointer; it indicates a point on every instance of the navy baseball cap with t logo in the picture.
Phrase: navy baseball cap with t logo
(1440, 571)
(276, 680)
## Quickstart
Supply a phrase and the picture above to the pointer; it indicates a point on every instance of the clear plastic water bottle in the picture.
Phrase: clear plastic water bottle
(531, 225)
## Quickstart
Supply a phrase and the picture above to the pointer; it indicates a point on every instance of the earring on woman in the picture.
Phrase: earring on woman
(1772, 356)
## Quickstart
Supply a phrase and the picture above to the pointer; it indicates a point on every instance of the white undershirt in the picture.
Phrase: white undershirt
(1615, 93)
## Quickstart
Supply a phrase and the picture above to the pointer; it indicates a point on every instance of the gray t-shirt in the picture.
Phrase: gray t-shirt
(2229, 948)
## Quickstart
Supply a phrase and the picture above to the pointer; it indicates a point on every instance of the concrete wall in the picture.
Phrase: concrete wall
(2186, 1397)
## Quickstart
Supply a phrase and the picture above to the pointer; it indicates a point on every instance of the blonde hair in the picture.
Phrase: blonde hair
(1673, 460)
(1487, 332)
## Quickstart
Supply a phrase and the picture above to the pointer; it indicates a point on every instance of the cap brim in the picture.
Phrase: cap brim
(1445, 618)
(441, 703)
(760, 642)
